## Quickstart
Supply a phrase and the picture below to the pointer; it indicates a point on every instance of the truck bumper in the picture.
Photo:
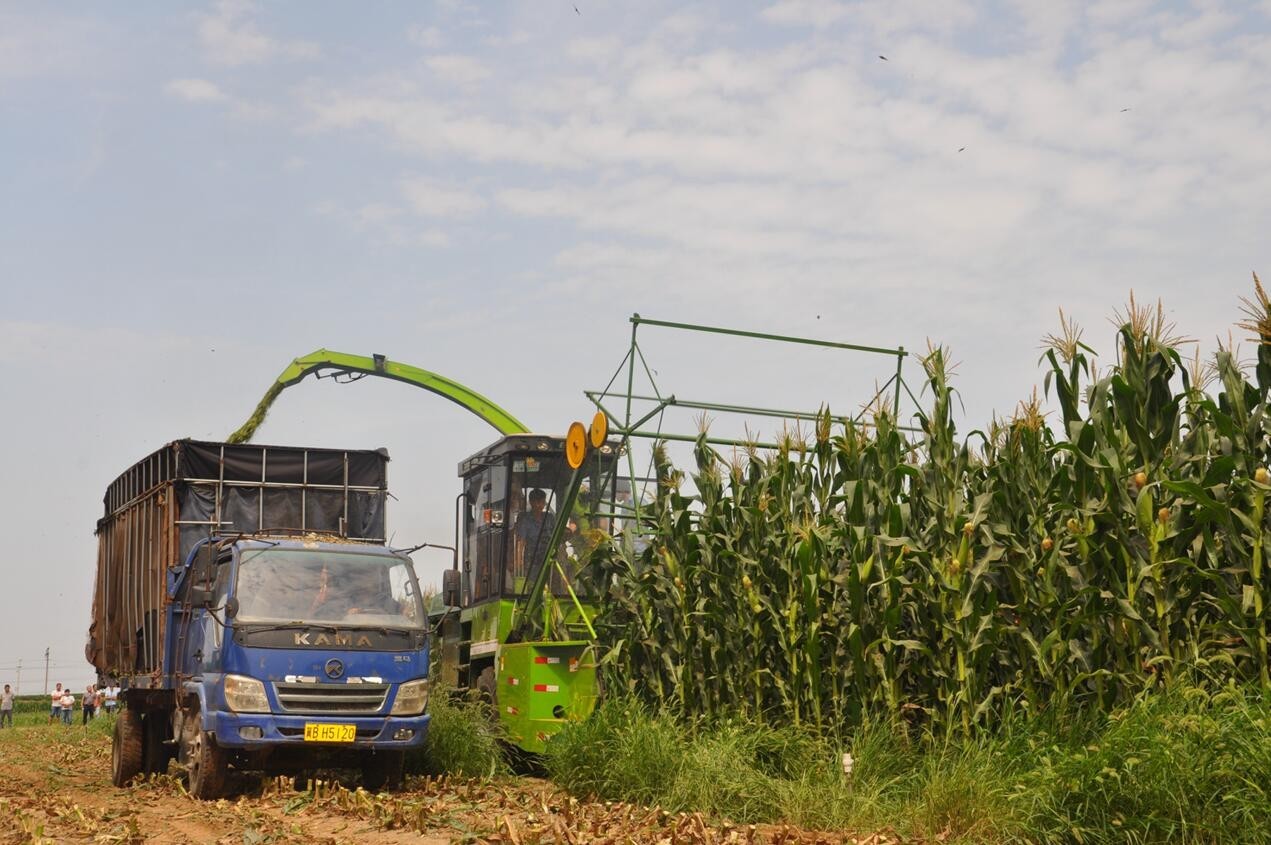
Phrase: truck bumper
(239, 730)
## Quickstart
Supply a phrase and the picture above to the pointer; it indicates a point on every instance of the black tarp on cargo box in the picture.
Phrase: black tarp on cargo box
(280, 488)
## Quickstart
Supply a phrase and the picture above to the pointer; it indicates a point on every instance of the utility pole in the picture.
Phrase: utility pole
(17, 687)
(46, 671)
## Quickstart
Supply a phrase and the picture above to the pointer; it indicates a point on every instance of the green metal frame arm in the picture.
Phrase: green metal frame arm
(343, 362)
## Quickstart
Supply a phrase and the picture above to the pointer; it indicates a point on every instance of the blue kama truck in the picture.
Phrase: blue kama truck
(248, 606)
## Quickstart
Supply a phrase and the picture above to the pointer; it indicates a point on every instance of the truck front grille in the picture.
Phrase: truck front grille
(366, 699)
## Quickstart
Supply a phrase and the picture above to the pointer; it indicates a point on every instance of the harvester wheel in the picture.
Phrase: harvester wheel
(488, 688)
(126, 747)
(207, 767)
(383, 771)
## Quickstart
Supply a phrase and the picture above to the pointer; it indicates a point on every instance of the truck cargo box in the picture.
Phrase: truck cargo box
(158, 509)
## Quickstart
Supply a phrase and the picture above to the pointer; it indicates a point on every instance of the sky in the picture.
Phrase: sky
(193, 195)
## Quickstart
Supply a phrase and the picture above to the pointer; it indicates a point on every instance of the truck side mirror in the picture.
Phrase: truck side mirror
(202, 577)
(450, 588)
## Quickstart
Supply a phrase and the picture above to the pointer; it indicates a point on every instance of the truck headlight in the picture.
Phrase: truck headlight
(245, 695)
(412, 698)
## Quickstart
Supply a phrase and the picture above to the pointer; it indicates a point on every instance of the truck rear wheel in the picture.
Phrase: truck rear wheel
(126, 746)
(207, 768)
(383, 770)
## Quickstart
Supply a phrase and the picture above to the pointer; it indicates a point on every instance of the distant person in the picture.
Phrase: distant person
(55, 704)
(6, 707)
(111, 698)
(68, 705)
(90, 703)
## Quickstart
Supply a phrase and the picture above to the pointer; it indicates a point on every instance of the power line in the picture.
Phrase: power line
(18, 665)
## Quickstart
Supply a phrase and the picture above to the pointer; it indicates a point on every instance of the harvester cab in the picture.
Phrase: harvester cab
(532, 508)
(515, 492)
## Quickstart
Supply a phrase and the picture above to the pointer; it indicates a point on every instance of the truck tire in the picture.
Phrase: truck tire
(383, 771)
(126, 747)
(155, 756)
(207, 768)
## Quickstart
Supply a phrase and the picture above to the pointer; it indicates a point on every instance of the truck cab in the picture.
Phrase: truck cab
(294, 653)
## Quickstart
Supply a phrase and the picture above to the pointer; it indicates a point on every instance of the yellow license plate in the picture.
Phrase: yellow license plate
(318, 732)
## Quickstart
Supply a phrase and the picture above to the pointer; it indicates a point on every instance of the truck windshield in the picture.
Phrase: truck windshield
(326, 587)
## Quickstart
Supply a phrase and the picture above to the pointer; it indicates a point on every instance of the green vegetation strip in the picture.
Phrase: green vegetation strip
(1183, 766)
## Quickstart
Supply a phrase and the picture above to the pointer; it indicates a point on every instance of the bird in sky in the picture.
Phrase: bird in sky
(960, 149)
(576, 11)
(884, 58)
(1123, 111)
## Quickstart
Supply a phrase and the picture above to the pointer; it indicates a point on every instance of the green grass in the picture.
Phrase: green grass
(1185, 766)
(621, 752)
(462, 740)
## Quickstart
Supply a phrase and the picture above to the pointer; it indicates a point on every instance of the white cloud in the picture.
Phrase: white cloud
(432, 199)
(376, 213)
(195, 91)
(597, 49)
(428, 37)
(813, 150)
(231, 37)
(1113, 12)
(967, 169)
(434, 238)
(817, 13)
(39, 44)
(511, 39)
(461, 70)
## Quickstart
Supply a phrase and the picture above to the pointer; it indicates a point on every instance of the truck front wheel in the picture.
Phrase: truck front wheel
(126, 745)
(207, 767)
(383, 770)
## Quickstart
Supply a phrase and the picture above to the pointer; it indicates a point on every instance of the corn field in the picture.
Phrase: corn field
(945, 580)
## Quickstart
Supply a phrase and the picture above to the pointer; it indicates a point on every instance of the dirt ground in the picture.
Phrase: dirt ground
(55, 788)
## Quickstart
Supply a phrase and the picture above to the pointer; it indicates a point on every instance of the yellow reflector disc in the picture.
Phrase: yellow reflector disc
(599, 429)
(575, 445)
